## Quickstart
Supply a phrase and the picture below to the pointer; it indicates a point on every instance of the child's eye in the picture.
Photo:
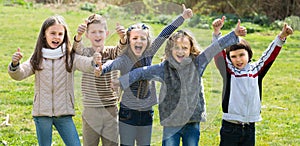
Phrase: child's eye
(233, 56)
(243, 54)
(176, 48)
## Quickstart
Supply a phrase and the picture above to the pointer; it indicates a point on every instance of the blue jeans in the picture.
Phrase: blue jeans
(135, 126)
(64, 125)
(190, 134)
(237, 134)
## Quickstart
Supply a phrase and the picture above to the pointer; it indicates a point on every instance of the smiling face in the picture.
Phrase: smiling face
(138, 41)
(55, 35)
(97, 34)
(182, 49)
(239, 58)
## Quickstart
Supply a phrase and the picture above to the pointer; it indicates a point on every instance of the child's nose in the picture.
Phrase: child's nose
(56, 36)
(98, 34)
(180, 50)
(139, 40)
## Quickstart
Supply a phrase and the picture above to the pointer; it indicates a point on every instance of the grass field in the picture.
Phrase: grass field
(281, 95)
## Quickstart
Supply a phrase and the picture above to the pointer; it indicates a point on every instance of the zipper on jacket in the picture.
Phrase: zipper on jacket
(52, 88)
(248, 96)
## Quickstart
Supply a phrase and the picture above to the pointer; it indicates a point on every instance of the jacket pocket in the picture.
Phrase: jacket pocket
(36, 105)
(124, 114)
(71, 100)
(228, 129)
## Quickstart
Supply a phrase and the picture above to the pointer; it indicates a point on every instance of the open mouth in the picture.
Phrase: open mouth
(98, 40)
(55, 42)
(180, 58)
(138, 49)
(239, 65)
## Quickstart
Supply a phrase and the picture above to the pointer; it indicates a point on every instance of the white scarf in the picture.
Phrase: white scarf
(54, 53)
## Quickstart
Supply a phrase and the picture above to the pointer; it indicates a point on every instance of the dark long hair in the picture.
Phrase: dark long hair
(37, 57)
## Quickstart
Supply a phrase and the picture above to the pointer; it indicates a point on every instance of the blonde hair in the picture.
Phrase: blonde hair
(171, 42)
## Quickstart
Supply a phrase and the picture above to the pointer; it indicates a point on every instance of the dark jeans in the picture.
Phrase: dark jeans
(237, 134)
(135, 126)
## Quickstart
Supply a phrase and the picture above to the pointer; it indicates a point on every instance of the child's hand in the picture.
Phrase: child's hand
(97, 71)
(218, 24)
(81, 29)
(121, 32)
(286, 31)
(98, 64)
(115, 84)
(187, 13)
(17, 56)
(240, 30)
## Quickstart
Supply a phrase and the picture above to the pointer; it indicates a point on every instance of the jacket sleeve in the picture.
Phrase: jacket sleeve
(78, 47)
(216, 37)
(116, 51)
(83, 63)
(154, 72)
(21, 71)
(118, 64)
(217, 46)
(164, 34)
(220, 62)
(268, 57)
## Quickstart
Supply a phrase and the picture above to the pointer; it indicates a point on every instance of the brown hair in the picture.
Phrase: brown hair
(195, 51)
(37, 56)
(243, 44)
(96, 19)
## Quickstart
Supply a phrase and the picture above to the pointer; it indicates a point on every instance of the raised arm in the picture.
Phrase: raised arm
(217, 25)
(112, 52)
(77, 45)
(230, 39)
(167, 31)
(271, 53)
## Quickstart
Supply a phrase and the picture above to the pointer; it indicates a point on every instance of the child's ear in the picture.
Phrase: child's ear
(107, 33)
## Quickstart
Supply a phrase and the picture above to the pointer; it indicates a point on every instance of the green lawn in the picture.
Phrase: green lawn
(281, 95)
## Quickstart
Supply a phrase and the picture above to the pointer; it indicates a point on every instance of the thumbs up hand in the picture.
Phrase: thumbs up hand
(121, 32)
(17, 56)
(218, 24)
(240, 30)
(286, 31)
(187, 13)
(98, 63)
(80, 30)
